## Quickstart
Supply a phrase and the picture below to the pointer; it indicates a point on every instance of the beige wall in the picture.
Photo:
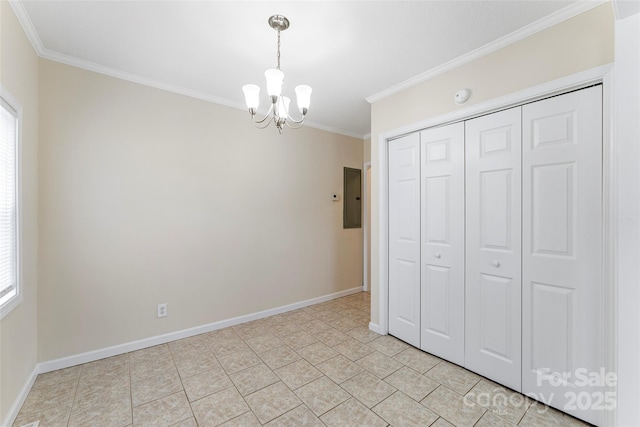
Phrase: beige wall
(149, 197)
(18, 333)
(580, 43)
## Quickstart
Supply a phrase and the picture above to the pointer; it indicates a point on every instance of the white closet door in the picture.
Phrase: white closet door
(493, 247)
(562, 251)
(442, 255)
(404, 238)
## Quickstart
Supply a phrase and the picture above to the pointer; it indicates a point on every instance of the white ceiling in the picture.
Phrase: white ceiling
(346, 50)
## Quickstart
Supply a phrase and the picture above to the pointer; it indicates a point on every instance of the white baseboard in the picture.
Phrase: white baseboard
(15, 408)
(115, 350)
(375, 328)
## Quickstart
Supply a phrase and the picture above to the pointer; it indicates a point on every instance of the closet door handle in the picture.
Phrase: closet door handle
(437, 255)
(496, 264)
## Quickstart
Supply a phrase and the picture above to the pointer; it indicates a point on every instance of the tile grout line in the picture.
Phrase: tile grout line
(184, 390)
(358, 361)
(75, 395)
(130, 385)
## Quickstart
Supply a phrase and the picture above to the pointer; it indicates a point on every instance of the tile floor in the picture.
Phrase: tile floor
(317, 366)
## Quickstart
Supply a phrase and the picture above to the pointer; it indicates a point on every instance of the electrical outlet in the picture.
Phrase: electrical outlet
(162, 310)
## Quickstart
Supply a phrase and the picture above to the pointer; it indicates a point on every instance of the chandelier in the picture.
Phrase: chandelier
(279, 110)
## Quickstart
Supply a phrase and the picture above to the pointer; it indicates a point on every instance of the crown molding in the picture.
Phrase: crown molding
(135, 78)
(27, 26)
(623, 9)
(179, 90)
(561, 15)
(44, 53)
(331, 129)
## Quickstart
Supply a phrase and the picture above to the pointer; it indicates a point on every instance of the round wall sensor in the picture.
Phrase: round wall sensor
(462, 96)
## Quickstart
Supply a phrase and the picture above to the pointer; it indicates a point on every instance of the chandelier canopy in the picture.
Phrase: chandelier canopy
(279, 109)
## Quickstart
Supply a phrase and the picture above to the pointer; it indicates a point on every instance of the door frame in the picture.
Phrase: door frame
(366, 226)
(603, 74)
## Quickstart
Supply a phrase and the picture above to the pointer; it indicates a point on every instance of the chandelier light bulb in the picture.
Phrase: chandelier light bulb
(282, 107)
(252, 97)
(275, 78)
(303, 97)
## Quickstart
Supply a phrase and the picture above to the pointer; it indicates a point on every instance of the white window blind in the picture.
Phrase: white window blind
(8, 204)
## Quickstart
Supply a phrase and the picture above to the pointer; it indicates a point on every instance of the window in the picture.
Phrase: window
(9, 272)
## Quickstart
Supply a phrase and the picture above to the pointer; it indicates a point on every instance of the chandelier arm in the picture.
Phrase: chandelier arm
(290, 117)
(258, 124)
(266, 116)
(296, 125)
(261, 120)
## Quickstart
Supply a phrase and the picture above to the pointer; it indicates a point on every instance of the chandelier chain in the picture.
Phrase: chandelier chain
(278, 50)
